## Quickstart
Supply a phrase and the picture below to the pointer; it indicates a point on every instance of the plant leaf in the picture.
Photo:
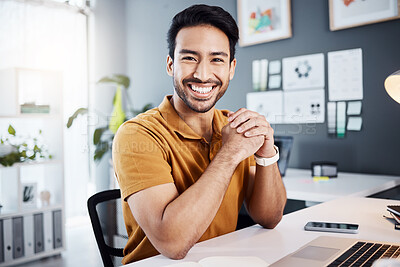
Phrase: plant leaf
(79, 111)
(118, 114)
(123, 80)
(118, 79)
(97, 134)
(101, 149)
(11, 130)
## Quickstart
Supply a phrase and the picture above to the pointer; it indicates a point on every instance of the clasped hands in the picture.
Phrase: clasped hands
(248, 133)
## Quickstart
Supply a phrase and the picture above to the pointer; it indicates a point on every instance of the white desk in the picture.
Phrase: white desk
(288, 236)
(300, 185)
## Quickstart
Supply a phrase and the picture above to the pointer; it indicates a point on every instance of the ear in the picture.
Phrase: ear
(232, 68)
(170, 66)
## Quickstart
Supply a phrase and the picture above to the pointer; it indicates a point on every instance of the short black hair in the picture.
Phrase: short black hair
(204, 15)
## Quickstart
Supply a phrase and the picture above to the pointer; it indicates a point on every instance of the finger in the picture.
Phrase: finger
(251, 123)
(242, 117)
(237, 113)
(267, 132)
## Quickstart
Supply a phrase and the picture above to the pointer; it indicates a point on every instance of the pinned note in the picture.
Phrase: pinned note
(331, 117)
(354, 108)
(263, 74)
(274, 81)
(345, 75)
(275, 67)
(341, 119)
(354, 124)
(256, 75)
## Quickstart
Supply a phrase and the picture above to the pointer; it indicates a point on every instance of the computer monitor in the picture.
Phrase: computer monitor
(284, 143)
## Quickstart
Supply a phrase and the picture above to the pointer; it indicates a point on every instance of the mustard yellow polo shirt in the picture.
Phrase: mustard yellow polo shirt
(158, 147)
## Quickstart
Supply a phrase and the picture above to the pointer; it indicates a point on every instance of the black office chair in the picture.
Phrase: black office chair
(103, 208)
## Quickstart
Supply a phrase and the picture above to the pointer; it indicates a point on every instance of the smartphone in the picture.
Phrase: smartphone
(348, 228)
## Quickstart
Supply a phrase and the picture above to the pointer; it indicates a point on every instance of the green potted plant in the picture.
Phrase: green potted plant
(103, 136)
(14, 148)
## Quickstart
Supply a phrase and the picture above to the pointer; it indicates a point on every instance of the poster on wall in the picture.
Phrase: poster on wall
(263, 21)
(352, 13)
(268, 104)
(303, 72)
(345, 75)
(306, 106)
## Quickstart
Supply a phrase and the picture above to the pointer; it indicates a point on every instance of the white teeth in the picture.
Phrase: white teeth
(202, 90)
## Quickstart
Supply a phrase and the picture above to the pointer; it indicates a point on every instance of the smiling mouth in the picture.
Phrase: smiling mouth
(201, 89)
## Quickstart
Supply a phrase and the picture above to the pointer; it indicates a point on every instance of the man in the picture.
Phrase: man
(185, 168)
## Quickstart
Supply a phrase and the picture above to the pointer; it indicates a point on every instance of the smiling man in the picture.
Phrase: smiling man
(185, 167)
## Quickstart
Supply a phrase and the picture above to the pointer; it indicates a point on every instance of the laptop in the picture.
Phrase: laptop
(337, 251)
(284, 143)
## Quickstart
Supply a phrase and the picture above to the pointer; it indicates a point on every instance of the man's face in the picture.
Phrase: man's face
(201, 69)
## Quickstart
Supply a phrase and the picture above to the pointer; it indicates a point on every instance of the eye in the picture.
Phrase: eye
(217, 60)
(189, 58)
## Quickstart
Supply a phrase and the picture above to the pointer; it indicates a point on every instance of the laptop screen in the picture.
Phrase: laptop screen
(284, 143)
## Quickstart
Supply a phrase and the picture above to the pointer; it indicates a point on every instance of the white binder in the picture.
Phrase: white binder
(8, 240)
(38, 232)
(28, 235)
(1, 242)
(57, 229)
(18, 237)
(48, 230)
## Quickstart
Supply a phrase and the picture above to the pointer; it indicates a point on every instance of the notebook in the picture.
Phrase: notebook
(337, 251)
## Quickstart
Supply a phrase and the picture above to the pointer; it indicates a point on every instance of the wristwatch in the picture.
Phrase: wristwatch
(267, 161)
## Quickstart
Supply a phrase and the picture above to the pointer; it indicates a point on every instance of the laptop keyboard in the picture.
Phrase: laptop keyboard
(365, 253)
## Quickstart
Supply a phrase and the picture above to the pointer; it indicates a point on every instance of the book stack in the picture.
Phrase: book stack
(33, 108)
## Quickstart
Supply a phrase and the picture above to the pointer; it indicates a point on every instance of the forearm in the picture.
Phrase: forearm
(268, 199)
(188, 216)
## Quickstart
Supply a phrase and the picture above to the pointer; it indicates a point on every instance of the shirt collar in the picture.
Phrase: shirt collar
(170, 115)
(174, 121)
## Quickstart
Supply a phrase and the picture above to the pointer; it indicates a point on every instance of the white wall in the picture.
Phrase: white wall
(107, 48)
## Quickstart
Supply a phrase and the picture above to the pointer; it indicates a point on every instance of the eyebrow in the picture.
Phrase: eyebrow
(188, 51)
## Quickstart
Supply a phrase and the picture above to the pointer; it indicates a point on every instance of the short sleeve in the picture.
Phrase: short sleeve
(139, 159)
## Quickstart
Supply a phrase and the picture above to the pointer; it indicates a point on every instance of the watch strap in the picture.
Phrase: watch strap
(267, 161)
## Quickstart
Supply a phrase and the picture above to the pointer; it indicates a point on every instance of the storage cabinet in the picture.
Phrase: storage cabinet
(32, 192)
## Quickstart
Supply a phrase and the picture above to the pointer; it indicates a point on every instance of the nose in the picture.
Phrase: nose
(203, 71)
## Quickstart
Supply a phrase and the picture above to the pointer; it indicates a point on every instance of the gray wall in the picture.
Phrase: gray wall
(376, 149)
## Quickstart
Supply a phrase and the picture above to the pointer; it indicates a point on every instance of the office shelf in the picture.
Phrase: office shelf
(32, 192)
(11, 214)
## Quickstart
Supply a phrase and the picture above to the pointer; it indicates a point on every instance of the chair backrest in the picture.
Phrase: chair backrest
(102, 208)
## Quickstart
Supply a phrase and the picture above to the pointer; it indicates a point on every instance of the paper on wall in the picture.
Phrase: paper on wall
(304, 106)
(303, 72)
(274, 81)
(341, 119)
(354, 124)
(354, 108)
(331, 117)
(263, 74)
(345, 75)
(268, 104)
(256, 65)
(275, 67)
